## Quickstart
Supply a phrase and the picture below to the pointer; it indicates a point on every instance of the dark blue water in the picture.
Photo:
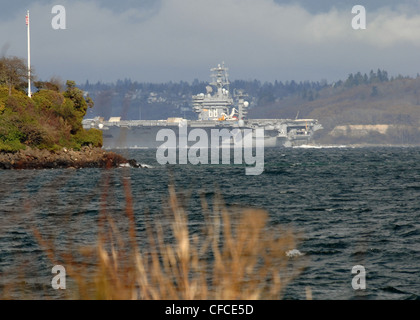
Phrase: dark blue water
(352, 207)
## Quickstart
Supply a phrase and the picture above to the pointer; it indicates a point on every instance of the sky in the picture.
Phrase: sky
(174, 40)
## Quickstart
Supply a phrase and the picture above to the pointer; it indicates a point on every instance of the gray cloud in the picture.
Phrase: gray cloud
(181, 39)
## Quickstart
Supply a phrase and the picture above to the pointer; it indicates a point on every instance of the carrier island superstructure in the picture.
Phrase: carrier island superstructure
(216, 109)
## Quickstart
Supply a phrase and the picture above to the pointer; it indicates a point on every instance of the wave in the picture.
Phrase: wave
(293, 253)
(143, 165)
(135, 165)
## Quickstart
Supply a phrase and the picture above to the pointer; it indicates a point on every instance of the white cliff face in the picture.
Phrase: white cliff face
(358, 130)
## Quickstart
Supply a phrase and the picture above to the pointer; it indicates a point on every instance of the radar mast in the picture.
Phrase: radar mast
(220, 77)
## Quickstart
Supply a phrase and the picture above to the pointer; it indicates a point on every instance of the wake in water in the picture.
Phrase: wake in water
(308, 146)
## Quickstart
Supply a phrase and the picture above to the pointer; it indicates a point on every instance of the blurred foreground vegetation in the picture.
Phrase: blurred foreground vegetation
(235, 255)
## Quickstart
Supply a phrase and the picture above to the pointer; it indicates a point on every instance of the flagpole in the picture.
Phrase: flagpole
(29, 56)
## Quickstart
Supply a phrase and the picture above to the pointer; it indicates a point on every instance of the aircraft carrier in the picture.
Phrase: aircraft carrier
(216, 109)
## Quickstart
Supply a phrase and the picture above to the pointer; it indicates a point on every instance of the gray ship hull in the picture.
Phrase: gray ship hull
(145, 137)
(143, 134)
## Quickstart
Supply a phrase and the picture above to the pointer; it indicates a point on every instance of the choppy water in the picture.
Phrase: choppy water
(353, 207)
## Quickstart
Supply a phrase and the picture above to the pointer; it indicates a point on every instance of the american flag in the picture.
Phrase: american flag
(27, 19)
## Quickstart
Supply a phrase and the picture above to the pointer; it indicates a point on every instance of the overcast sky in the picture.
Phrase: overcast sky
(162, 40)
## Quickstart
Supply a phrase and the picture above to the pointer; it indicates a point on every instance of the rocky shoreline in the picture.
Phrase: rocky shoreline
(43, 159)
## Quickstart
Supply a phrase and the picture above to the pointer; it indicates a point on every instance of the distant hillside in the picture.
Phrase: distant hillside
(149, 101)
(395, 103)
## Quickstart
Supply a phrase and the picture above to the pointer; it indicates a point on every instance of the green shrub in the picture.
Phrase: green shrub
(11, 146)
(89, 137)
(48, 99)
